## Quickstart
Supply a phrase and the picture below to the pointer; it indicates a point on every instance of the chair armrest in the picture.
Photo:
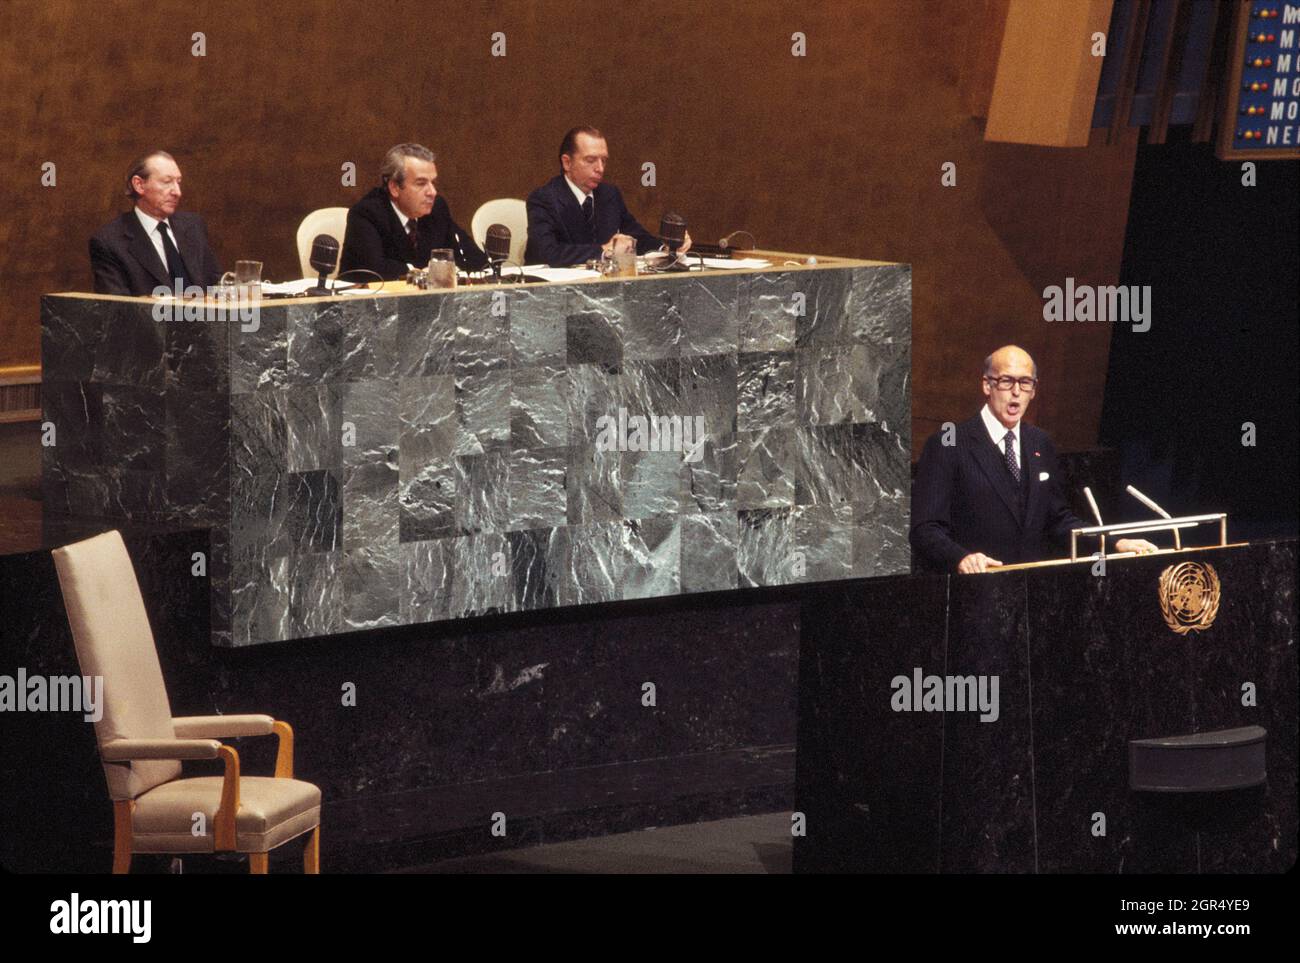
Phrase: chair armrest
(224, 834)
(284, 754)
(124, 750)
(222, 727)
(229, 727)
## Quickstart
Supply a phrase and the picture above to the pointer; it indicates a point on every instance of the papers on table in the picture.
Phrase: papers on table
(288, 287)
(734, 263)
(306, 284)
(580, 274)
(559, 274)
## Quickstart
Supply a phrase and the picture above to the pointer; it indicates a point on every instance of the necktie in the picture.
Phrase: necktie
(410, 234)
(589, 210)
(1013, 463)
(175, 266)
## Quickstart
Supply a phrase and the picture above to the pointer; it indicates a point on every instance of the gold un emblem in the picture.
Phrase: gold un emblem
(1189, 596)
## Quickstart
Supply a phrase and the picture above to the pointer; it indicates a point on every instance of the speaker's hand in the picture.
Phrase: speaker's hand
(976, 562)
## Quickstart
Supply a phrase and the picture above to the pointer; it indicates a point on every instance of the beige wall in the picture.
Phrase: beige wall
(836, 152)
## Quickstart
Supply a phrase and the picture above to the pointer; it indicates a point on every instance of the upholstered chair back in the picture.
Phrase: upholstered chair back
(111, 632)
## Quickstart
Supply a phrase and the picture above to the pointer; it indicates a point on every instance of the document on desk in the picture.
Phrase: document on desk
(288, 287)
(559, 274)
(734, 263)
(306, 284)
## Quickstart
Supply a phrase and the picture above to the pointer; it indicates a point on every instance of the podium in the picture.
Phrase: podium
(1085, 664)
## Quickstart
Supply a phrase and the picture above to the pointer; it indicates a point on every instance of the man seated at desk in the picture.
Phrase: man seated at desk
(575, 217)
(153, 245)
(393, 228)
(991, 496)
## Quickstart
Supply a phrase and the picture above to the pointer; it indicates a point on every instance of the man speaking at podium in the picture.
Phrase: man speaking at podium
(987, 494)
(394, 227)
(575, 217)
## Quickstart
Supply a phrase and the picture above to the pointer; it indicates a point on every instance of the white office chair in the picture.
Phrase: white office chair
(511, 212)
(327, 220)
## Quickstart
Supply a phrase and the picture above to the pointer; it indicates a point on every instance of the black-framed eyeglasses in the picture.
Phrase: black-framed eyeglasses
(1006, 382)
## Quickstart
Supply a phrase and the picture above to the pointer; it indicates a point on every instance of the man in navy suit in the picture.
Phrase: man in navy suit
(395, 226)
(575, 217)
(987, 494)
(153, 245)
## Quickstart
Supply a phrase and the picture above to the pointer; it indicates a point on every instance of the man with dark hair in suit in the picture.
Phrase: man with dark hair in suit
(394, 227)
(153, 245)
(987, 495)
(575, 217)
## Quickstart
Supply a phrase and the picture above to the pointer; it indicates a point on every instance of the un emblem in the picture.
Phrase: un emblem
(1189, 596)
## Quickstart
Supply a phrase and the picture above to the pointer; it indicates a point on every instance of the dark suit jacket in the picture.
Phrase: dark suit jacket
(375, 239)
(965, 499)
(558, 233)
(124, 260)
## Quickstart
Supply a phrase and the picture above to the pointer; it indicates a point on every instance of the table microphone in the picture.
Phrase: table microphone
(672, 230)
(727, 242)
(324, 258)
(497, 247)
(672, 233)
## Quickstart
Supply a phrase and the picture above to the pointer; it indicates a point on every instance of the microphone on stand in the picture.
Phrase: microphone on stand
(497, 247)
(1178, 542)
(1092, 503)
(726, 242)
(1096, 513)
(324, 258)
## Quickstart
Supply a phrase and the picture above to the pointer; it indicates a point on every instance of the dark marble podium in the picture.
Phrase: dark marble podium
(394, 459)
(1085, 664)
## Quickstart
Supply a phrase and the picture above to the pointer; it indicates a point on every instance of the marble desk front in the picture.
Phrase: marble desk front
(399, 458)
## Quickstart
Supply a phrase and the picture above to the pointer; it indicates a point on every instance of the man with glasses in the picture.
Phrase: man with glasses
(988, 493)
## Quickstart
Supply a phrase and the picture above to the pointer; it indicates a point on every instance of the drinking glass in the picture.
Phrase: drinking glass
(442, 268)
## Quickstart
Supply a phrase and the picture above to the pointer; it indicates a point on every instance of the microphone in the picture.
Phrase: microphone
(726, 242)
(324, 258)
(672, 230)
(1178, 542)
(497, 247)
(1096, 513)
(1092, 503)
(1147, 502)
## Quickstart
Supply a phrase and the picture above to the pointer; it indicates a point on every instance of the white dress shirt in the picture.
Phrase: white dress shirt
(401, 217)
(405, 230)
(998, 432)
(577, 191)
(150, 225)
